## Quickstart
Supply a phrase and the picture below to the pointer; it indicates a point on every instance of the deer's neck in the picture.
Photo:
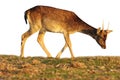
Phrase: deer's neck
(90, 31)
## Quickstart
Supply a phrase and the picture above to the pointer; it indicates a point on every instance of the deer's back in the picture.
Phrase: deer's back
(56, 20)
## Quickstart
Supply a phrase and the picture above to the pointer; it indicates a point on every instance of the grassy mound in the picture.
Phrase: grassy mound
(40, 68)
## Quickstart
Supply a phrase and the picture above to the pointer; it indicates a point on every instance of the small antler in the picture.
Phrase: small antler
(108, 25)
(108, 31)
(103, 26)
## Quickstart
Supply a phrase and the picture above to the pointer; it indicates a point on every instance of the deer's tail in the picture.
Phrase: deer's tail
(25, 16)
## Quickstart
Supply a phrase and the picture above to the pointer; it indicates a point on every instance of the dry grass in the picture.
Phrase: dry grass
(39, 68)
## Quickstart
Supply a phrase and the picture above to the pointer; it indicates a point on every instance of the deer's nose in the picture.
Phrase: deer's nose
(104, 47)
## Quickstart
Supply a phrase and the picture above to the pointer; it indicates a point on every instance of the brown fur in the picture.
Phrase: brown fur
(44, 18)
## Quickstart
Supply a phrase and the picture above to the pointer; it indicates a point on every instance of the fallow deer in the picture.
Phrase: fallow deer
(45, 18)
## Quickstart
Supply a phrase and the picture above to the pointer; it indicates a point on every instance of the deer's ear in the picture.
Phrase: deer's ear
(98, 30)
(108, 31)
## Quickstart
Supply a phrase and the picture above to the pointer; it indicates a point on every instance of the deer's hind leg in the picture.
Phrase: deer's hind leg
(24, 38)
(41, 42)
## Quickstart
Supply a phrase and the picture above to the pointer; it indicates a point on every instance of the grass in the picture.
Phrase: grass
(40, 68)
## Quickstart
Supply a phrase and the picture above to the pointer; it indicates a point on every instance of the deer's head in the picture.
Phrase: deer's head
(102, 35)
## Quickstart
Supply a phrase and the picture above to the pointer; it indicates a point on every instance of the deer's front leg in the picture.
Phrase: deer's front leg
(59, 54)
(67, 39)
(41, 42)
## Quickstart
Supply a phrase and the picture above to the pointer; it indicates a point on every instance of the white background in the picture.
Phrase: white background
(12, 26)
